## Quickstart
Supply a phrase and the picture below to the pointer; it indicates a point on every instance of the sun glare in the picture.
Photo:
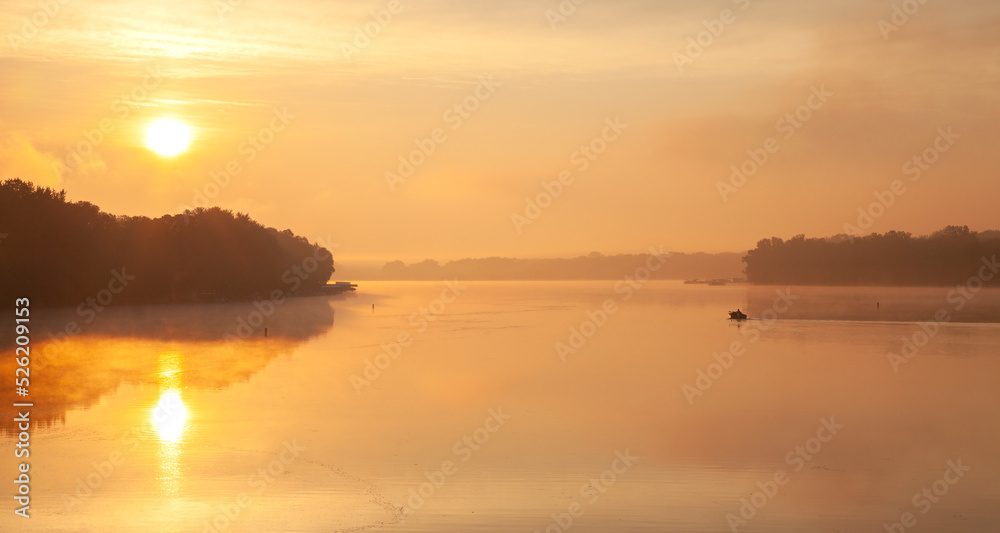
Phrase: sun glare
(169, 416)
(168, 137)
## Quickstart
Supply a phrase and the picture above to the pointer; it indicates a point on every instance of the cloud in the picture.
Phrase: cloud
(20, 159)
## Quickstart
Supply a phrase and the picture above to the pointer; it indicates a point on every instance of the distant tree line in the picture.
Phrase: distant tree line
(594, 266)
(949, 256)
(62, 253)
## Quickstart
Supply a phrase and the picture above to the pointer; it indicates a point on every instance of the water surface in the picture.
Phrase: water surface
(508, 405)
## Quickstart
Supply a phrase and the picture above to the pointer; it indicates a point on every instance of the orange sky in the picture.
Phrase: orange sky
(346, 113)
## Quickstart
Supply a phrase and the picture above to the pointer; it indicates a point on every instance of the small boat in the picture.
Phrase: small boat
(737, 315)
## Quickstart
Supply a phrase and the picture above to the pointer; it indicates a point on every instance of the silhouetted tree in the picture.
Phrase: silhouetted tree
(60, 253)
(949, 256)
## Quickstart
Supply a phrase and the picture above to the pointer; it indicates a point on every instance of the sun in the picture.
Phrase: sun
(168, 137)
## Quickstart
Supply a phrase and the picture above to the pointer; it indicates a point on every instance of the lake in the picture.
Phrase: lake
(533, 406)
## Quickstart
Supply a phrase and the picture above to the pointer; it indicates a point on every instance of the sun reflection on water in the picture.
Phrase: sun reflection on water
(169, 416)
(169, 419)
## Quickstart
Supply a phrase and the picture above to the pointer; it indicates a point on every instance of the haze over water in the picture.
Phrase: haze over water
(273, 435)
(180, 182)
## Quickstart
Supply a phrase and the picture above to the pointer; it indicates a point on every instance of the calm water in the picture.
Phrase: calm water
(659, 416)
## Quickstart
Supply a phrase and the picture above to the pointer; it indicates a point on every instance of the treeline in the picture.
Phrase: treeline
(950, 256)
(62, 253)
(595, 266)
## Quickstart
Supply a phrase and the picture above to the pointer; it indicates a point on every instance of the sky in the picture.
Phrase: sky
(642, 108)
